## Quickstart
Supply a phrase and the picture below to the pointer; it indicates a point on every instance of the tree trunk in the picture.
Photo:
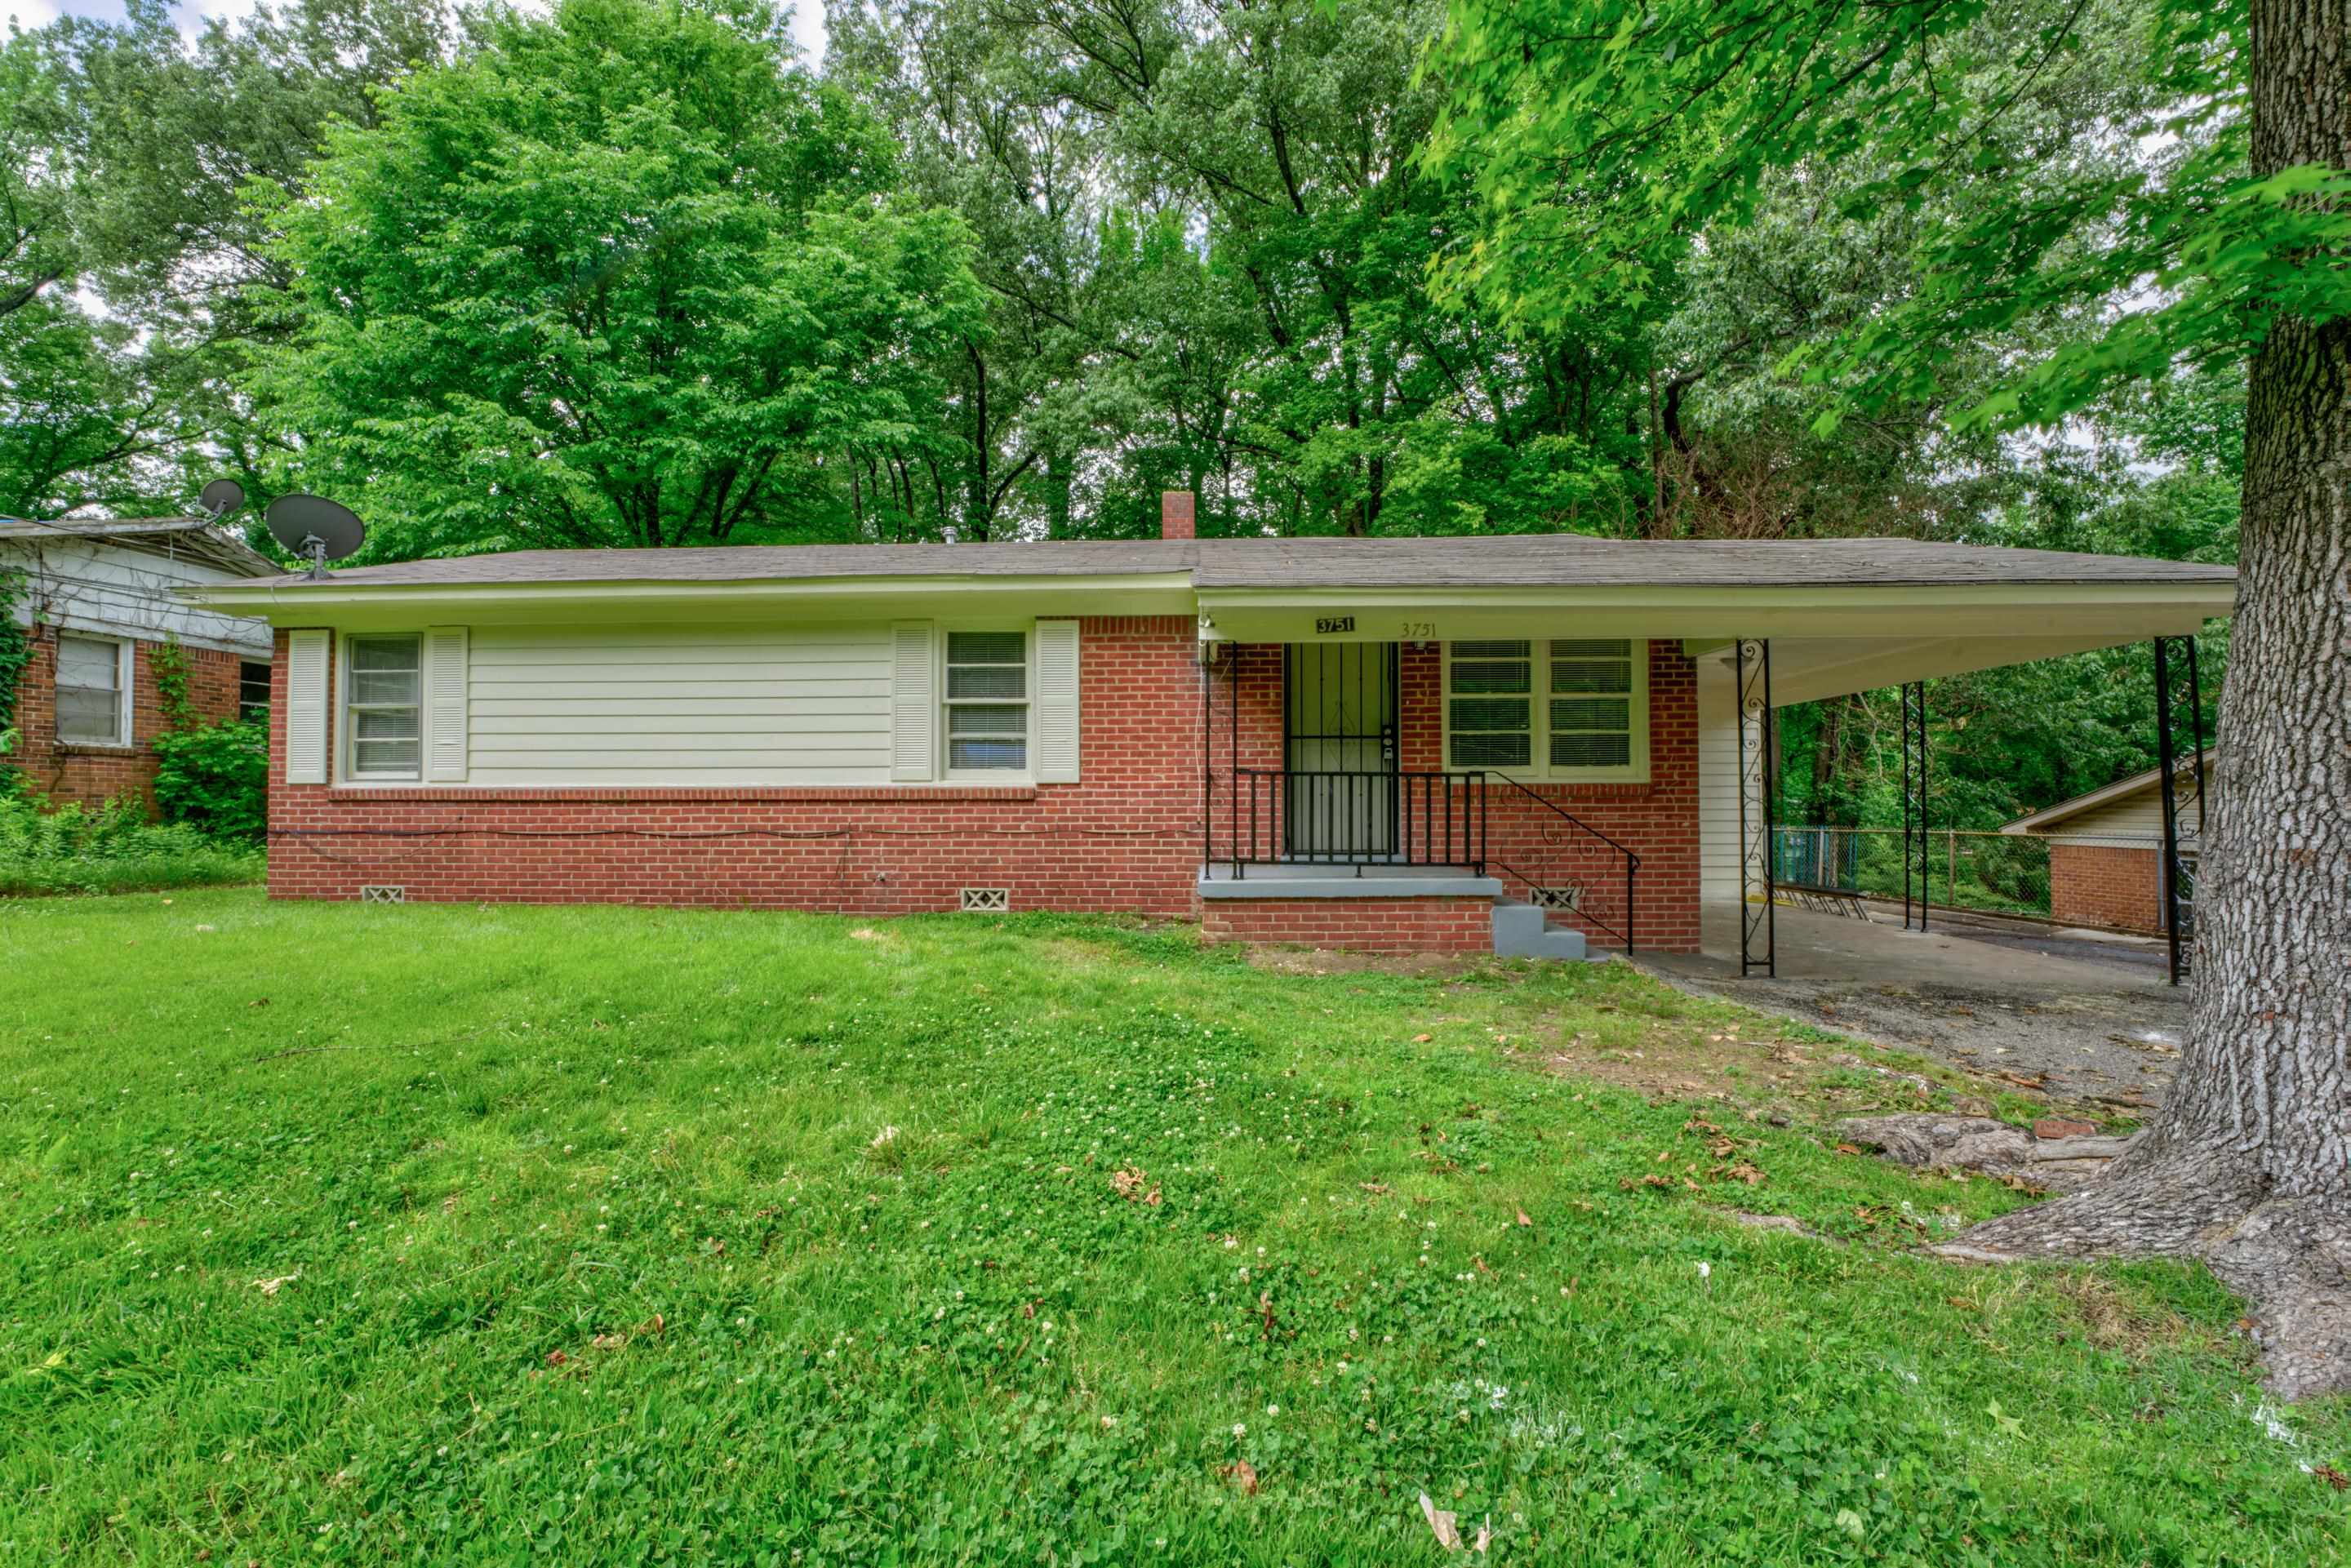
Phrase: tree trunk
(2247, 1166)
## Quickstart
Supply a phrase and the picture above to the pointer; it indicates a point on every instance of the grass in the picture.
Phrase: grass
(448, 1234)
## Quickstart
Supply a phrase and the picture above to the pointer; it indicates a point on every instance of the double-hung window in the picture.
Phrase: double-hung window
(92, 691)
(988, 701)
(382, 708)
(1565, 708)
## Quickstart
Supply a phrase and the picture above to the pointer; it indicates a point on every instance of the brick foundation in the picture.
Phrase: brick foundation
(1366, 924)
(90, 775)
(2105, 885)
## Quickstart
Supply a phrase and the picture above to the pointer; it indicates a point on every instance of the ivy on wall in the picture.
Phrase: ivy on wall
(16, 646)
(170, 663)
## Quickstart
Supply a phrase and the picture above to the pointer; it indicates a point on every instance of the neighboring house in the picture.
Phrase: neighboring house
(100, 597)
(2105, 848)
(1397, 743)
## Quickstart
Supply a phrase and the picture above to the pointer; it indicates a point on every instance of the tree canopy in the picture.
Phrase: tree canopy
(630, 272)
(615, 277)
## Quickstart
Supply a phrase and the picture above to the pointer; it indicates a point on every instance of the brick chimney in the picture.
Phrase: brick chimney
(1176, 514)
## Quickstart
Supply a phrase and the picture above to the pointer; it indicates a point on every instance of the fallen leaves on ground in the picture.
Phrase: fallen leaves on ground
(1242, 1474)
(1448, 1535)
(1130, 1184)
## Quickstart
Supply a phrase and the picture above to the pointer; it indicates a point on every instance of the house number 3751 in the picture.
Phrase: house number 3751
(1418, 632)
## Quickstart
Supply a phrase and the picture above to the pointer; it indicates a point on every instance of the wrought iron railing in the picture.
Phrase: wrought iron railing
(1596, 866)
(1366, 820)
(1311, 817)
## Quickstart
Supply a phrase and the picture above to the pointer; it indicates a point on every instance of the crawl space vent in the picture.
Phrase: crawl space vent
(987, 899)
(1558, 897)
(384, 896)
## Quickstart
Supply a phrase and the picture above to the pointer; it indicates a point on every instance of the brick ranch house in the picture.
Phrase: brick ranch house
(98, 601)
(1523, 744)
(2105, 848)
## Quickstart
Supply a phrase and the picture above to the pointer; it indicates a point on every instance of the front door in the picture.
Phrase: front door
(1339, 732)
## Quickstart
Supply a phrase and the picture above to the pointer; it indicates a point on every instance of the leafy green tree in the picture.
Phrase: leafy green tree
(134, 276)
(1606, 141)
(615, 277)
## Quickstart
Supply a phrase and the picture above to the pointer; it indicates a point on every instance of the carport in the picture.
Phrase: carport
(2082, 1014)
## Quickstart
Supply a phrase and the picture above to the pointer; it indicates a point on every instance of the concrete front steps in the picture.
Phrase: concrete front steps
(1521, 930)
(1393, 909)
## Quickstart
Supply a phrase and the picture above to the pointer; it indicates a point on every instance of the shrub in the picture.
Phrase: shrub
(217, 779)
(115, 849)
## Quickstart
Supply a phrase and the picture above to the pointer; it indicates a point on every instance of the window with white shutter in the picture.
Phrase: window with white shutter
(383, 708)
(305, 708)
(446, 676)
(1057, 702)
(986, 703)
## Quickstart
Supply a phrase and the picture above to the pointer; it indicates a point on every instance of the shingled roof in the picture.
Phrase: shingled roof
(1532, 560)
(193, 539)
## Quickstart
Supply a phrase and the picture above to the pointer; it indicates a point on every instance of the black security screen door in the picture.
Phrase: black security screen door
(1339, 744)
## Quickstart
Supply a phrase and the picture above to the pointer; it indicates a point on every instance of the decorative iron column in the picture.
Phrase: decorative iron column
(2178, 702)
(1917, 852)
(1758, 890)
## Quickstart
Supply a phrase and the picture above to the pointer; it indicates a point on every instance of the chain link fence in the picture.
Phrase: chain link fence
(1999, 873)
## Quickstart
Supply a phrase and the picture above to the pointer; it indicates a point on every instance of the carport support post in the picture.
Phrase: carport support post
(1917, 849)
(1758, 895)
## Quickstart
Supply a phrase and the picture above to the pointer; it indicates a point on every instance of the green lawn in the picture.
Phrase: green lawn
(461, 1235)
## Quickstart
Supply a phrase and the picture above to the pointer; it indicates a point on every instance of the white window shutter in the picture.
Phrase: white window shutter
(914, 703)
(445, 705)
(305, 708)
(1057, 702)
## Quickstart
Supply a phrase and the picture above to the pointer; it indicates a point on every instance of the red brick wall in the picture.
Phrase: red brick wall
(1127, 838)
(92, 774)
(2100, 884)
(1656, 820)
(1368, 925)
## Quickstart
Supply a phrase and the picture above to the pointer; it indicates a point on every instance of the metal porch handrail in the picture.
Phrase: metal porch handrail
(1632, 860)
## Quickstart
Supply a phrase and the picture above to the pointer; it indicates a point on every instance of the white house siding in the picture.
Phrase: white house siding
(2130, 821)
(79, 586)
(1717, 782)
(678, 706)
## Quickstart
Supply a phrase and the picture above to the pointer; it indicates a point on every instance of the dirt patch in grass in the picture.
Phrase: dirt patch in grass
(1338, 961)
(2111, 1320)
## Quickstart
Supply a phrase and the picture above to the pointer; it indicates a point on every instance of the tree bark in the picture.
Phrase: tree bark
(2247, 1166)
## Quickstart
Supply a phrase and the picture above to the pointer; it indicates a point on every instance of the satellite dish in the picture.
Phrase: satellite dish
(221, 497)
(316, 529)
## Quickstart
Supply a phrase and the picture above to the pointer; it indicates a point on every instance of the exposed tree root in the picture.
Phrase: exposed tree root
(2290, 1257)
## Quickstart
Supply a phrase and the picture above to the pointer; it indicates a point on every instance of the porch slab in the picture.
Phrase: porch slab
(1309, 880)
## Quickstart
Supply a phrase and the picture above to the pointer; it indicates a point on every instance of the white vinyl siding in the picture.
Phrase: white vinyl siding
(1717, 782)
(305, 708)
(383, 708)
(93, 694)
(2128, 821)
(1563, 709)
(683, 705)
